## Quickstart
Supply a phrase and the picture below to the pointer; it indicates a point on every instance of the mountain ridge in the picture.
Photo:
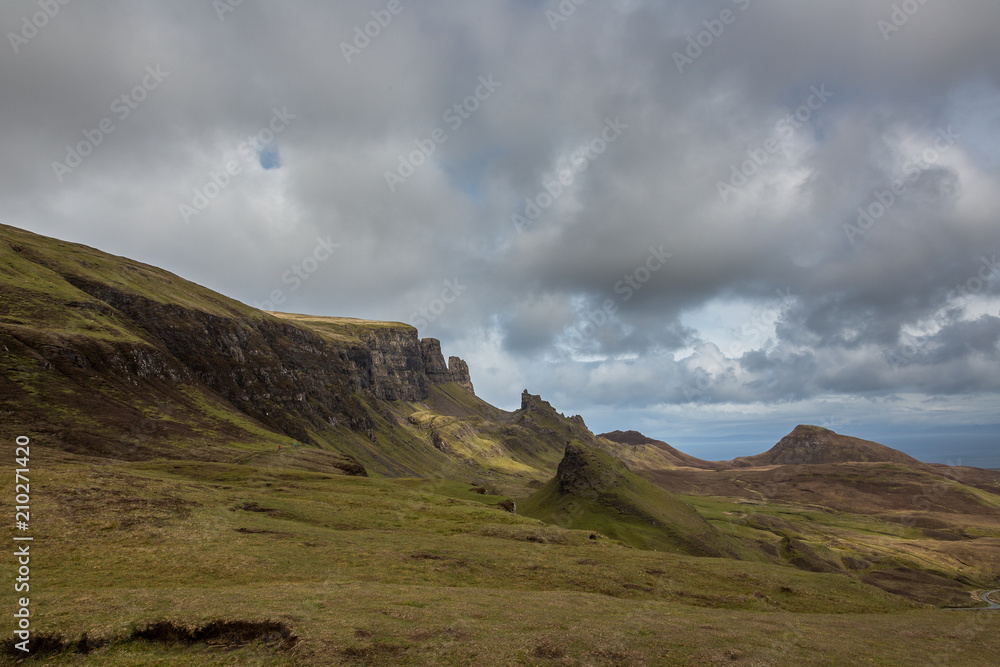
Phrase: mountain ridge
(113, 360)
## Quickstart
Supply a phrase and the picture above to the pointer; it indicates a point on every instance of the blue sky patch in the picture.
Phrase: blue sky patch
(269, 157)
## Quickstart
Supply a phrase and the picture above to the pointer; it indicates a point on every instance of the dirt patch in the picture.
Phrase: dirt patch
(548, 649)
(128, 510)
(450, 560)
(637, 587)
(47, 645)
(261, 531)
(221, 633)
(251, 506)
(943, 535)
(351, 467)
(374, 654)
(507, 505)
(228, 634)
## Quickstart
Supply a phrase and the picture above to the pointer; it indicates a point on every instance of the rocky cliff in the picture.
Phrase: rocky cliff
(389, 360)
(112, 356)
(437, 372)
(394, 367)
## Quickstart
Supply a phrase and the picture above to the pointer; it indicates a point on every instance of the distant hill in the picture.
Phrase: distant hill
(675, 456)
(816, 445)
(593, 490)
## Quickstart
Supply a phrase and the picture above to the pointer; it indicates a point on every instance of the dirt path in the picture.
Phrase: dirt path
(991, 605)
(986, 598)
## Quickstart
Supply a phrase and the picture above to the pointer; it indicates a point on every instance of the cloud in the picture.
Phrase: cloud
(810, 117)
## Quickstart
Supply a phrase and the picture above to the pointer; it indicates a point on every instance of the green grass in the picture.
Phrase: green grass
(413, 572)
(341, 330)
(595, 491)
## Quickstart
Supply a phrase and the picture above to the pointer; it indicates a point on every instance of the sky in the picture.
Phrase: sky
(707, 221)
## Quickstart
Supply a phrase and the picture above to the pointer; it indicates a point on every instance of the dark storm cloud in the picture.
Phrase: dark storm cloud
(748, 140)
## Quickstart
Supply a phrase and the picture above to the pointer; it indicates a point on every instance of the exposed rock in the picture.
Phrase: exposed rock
(437, 371)
(592, 490)
(397, 369)
(534, 403)
(285, 376)
(507, 505)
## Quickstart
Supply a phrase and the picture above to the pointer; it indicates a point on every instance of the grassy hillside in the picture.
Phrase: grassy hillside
(343, 330)
(410, 572)
(594, 491)
(176, 523)
(111, 357)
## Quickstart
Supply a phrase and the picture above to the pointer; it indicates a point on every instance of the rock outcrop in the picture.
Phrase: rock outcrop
(592, 490)
(394, 366)
(535, 403)
(76, 317)
(437, 371)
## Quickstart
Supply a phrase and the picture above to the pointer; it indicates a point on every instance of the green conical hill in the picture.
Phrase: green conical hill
(594, 491)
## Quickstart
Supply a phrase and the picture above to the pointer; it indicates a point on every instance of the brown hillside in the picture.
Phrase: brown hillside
(815, 444)
(675, 456)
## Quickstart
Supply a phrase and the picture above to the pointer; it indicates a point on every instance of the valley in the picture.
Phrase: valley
(219, 485)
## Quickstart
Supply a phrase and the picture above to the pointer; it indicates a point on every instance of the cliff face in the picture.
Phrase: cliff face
(402, 367)
(394, 368)
(282, 375)
(437, 371)
(290, 378)
(108, 356)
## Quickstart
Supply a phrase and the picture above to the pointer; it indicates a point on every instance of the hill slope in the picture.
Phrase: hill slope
(807, 445)
(673, 455)
(105, 356)
(593, 490)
